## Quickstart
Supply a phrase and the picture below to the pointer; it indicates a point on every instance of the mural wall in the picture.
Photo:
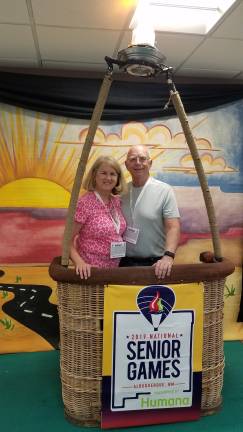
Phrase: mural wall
(38, 159)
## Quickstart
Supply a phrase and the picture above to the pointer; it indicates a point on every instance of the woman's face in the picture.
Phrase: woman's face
(106, 178)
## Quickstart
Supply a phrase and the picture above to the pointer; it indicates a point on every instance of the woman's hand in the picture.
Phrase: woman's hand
(83, 269)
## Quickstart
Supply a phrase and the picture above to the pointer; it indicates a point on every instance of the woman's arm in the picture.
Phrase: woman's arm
(82, 268)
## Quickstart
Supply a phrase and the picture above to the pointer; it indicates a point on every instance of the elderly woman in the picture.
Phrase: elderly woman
(99, 222)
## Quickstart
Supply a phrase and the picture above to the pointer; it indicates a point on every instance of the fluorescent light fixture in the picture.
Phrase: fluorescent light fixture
(177, 16)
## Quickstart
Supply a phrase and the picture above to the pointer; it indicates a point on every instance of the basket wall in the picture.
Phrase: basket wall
(81, 349)
(213, 346)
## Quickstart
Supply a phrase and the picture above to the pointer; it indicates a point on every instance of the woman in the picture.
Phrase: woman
(99, 222)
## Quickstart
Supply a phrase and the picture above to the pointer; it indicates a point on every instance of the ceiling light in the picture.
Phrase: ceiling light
(181, 16)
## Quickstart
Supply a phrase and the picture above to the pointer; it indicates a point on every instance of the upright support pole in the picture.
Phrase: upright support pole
(175, 97)
(102, 97)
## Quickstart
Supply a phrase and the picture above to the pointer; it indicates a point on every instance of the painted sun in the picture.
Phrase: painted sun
(34, 171)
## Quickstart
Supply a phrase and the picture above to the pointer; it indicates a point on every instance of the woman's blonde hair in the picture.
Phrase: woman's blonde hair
(89, 181)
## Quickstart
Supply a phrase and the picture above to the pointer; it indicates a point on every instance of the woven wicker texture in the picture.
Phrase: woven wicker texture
(213, 348)
(81, 349)
(81, 319)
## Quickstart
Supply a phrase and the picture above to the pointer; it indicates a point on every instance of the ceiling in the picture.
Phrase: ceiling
(76, 35)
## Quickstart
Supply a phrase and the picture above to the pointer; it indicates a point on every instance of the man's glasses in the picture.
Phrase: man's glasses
(141, 159)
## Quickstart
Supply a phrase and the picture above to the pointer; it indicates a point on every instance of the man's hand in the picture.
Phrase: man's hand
(163, 267)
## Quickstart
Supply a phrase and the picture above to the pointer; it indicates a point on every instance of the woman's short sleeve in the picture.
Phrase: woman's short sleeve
(83, 208)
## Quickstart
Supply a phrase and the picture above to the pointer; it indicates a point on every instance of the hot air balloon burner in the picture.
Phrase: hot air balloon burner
(140, 61)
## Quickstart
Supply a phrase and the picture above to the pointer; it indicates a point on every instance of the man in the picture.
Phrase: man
(150, 209)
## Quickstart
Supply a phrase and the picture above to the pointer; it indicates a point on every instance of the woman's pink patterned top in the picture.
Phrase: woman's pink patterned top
(97, 229)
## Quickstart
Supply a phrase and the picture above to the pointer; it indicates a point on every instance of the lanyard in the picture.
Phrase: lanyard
(133, 207)
(112, 215)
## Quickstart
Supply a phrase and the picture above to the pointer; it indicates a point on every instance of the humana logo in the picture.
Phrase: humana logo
(164, 402)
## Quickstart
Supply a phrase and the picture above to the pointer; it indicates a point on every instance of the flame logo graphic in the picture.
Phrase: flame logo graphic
(155, 303)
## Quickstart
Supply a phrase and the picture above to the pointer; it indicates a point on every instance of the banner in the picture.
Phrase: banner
(152, 354)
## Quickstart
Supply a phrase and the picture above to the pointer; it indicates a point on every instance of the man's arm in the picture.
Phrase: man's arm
(172, 230)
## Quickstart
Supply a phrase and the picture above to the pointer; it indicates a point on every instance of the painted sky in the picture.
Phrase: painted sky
(218, 132)
(223, 127)
(35, 145)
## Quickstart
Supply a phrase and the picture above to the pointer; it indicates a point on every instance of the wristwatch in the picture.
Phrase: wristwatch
(170, 254)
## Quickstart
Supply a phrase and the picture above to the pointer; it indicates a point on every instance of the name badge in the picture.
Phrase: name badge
(118, 249)
(131, 235)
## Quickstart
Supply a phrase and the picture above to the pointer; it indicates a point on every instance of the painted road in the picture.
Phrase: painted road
(31, 307)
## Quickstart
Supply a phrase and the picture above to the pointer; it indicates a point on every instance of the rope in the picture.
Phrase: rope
(200, 172)
(102, 97)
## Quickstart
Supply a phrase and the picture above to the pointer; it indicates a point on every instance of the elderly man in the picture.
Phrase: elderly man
(153, 221)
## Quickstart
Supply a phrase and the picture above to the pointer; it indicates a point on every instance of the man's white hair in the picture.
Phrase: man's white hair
(139, 145)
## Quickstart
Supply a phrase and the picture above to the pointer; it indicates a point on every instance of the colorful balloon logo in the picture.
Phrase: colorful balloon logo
(155, 303)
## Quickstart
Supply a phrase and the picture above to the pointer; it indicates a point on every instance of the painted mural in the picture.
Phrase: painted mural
(38, 159)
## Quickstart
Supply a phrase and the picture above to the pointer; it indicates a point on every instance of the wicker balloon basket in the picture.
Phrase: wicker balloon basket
(81, 306)
(81, 332)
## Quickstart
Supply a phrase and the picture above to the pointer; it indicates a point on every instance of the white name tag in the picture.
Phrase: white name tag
(118, 249)
(131, 235)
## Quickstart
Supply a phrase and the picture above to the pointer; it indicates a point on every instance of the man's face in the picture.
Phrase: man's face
(138, 163)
